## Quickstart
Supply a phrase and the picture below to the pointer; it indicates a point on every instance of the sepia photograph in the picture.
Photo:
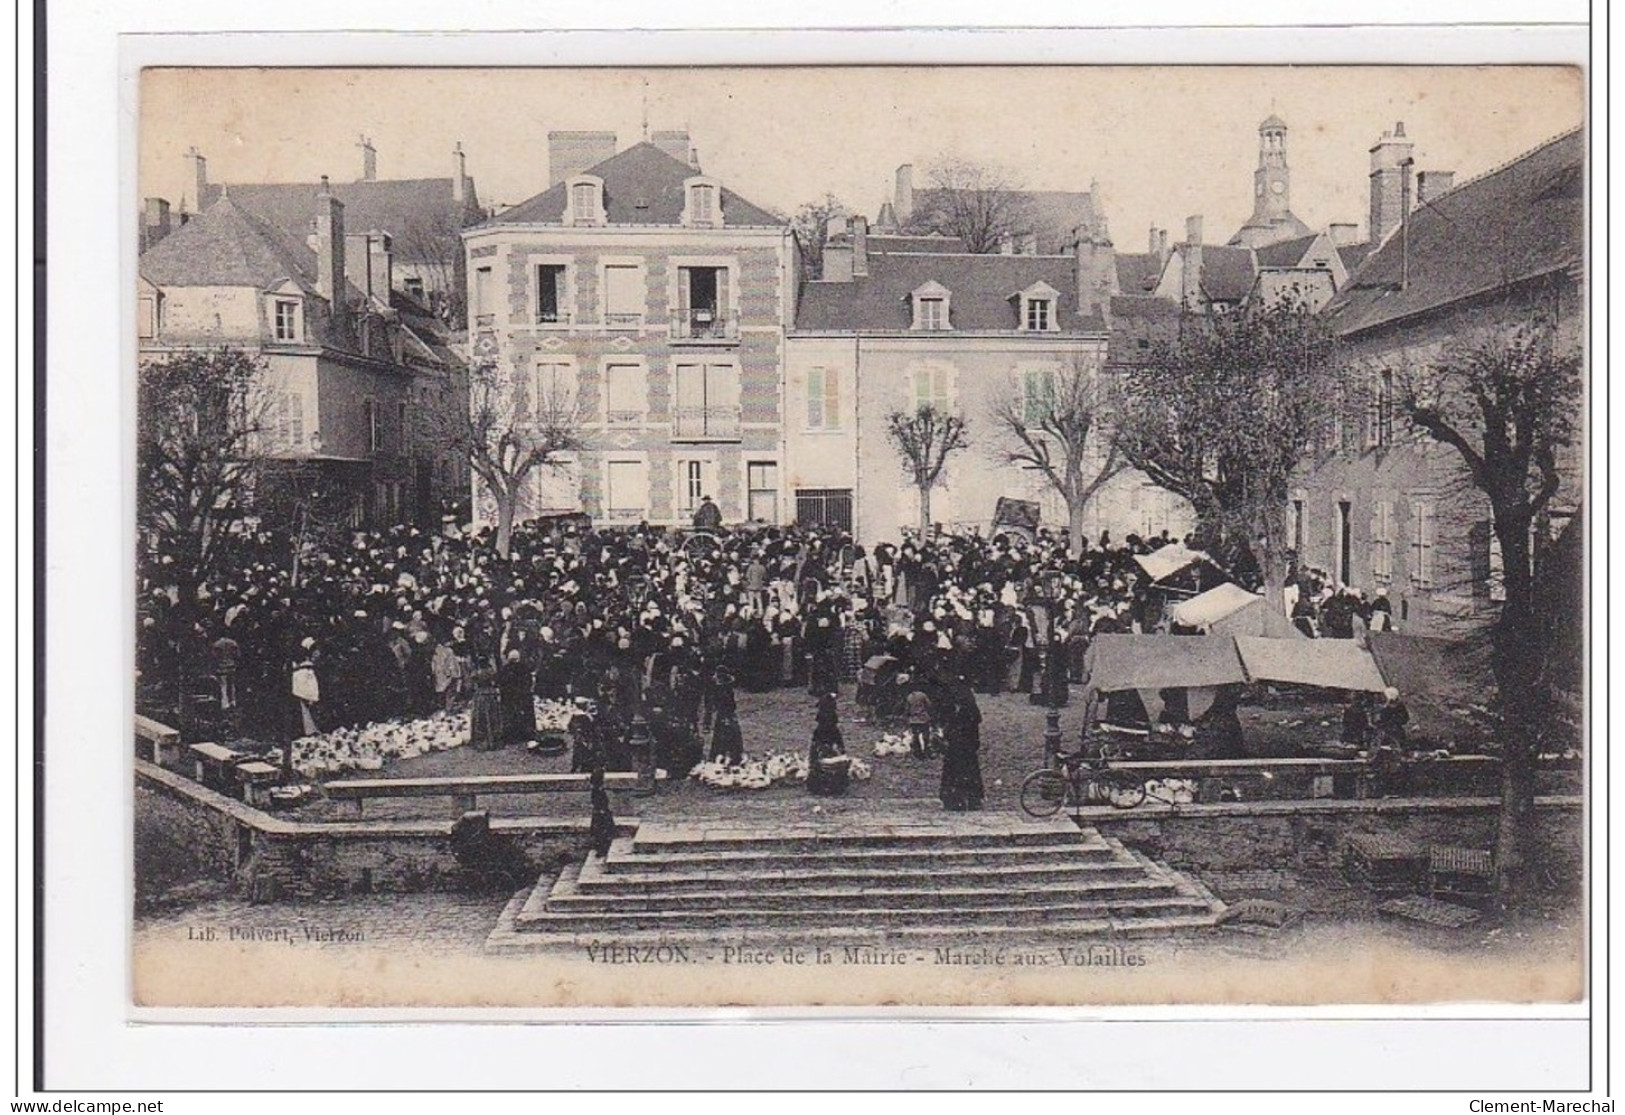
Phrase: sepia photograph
(859, 536)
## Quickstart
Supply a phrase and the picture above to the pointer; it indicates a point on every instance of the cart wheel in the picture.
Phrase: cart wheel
(1043, 793)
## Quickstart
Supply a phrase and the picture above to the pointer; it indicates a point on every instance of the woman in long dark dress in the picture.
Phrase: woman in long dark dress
(961, 763)
(827, 776)
(485, 712)
(518, 709)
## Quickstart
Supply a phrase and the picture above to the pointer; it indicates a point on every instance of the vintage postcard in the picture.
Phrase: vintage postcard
(860, 536)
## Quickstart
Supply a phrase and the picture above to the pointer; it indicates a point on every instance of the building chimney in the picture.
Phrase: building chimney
(330, 276)
(1190, 274)
(459, 174)
(903, 194)
(380, 265)
(838, 262)
(1430, 184)
(1404, 223)
(200, 178)
(369, 160)
(571, 153)
(1386, 203)
(154, 221)
(1343, 233)
(886, 221)
(674, 142)
(860, 247)
(1096, 263)
(1152, 241)
(1162, 246)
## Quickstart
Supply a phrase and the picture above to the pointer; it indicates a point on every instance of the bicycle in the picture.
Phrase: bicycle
(1086, 781)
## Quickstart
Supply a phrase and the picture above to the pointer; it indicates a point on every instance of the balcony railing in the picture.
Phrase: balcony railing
(705, 423)
(624, 417)
(623, 321)
(700, 324)
(553, 317)
(624, 514)
(485, 321)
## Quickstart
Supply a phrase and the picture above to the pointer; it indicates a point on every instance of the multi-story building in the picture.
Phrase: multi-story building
(1390, 510)
(897, 322)
(423, 217)
(657, 299)
(345, 356)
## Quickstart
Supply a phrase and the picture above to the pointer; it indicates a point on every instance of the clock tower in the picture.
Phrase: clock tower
(1272, 220)
(1271, 181)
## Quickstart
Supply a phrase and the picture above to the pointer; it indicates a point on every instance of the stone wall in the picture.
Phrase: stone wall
(1311, 835)
(185, 833)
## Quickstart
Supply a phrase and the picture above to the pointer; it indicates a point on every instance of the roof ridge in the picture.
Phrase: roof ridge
(1509, 163)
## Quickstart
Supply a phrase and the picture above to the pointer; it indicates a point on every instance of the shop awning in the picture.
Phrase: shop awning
(1118, 662)
(1326, 663)
(1163, 563)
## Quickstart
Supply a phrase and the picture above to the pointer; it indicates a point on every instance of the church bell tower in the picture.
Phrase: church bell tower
(1272, 184)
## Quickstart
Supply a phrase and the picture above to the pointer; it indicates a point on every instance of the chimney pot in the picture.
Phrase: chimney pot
(330, 252)
(903, 200)
(860, 246)
(369, 160)
(571, 153)
(1193, 230)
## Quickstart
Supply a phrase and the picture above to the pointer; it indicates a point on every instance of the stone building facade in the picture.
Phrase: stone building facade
(655, 299)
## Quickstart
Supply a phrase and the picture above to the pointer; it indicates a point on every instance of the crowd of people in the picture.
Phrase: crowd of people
(641, 624)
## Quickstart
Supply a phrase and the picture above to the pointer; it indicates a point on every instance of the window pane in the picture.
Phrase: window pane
(549, 292)
(815, 398)
(626, 393)
(623, 291)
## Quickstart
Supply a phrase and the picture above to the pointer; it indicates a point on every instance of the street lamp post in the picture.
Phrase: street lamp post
(1052, 705)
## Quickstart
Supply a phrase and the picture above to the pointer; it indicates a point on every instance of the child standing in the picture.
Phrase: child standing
(918, 707)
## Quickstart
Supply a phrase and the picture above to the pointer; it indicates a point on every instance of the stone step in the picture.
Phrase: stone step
(574, 935)
(998, 830)
(624, 857)
(1059, 872)
(1048, 920)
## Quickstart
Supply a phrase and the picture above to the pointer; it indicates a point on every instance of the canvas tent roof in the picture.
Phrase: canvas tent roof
(1213, 605)
(1169, 560)
(1328, 663)
(1118, 662)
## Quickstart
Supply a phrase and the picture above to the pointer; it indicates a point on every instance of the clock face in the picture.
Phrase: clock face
(1278, 186)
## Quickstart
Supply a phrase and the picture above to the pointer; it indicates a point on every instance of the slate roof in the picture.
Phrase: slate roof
(918, 245)
(415, 211)
(1284, 253)
(981, 290)
(1521, 221)
(229, 247)
(1353, 255)
(1227, 272)
(1144, 306)
(1137, 273)
(643, 185)
(1285, 227)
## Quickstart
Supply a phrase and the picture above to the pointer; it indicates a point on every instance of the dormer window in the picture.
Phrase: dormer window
(931, 311)
(586, 201)
(287, 319)
(1038, 305)
(702, 204)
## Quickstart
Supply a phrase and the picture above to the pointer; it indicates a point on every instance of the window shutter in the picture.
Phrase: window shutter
(815, 398)
(832, 399)
(722, 292)
(685, 299)
(922, 388)
(721, 385)
(1376, 542)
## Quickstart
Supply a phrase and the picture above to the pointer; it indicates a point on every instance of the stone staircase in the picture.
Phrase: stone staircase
(949, 877)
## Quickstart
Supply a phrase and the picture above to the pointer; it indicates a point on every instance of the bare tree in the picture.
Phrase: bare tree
(811, 226)
(432, 246)
(981, 203)
(1224, 414)
(1057, 421)
(202, 430)
(1507, 399)
(512, 427)
(925, 439)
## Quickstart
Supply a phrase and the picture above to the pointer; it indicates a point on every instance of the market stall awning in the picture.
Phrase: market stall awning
(1118, 662)
(1326, 663)
(1163, 563)
(1213, 605)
